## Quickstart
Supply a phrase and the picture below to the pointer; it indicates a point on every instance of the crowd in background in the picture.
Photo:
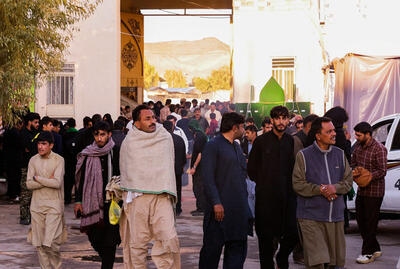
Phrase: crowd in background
(18, 145)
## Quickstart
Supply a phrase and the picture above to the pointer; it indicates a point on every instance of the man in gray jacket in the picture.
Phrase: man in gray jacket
(321, 177)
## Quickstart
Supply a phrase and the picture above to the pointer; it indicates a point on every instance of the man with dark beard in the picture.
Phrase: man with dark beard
(270, 165)
(94, 168)
(29, 134)
(371, 156)
(227, 216)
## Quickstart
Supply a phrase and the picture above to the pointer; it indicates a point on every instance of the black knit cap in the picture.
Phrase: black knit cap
(45, 136)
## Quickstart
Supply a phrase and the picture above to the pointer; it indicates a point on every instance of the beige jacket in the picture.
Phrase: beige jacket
(47, 198)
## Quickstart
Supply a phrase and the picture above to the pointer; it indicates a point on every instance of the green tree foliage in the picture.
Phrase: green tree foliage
(151, 77)
(202, 84)
(34, 36)
(219, 80)
(175, 79)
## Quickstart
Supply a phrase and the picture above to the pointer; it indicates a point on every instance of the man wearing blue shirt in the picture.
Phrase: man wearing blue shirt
(227, 217)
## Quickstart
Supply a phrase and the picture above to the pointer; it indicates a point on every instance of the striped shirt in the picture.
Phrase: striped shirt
(373, 157)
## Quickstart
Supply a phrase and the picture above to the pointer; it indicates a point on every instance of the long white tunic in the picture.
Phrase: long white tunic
(47, 204)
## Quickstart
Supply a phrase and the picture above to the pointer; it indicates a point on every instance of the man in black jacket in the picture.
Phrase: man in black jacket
(13, 150)
(270, 166)
(118, 135)
(339, 116)
(200, 140)
(103, 236)
(180, 161)
(29, 134)
(69, 154)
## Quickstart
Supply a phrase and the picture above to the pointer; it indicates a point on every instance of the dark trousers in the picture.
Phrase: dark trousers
(104, 239)
(69, 180)
(346, 212)
(13, 180)
(367, 216)
(107, 256)
(298, 253)
(179, 193)
(198, 190)
(25, 199)
(213, 241)
(267, 248)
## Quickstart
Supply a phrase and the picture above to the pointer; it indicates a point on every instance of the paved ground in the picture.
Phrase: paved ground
(16, 253)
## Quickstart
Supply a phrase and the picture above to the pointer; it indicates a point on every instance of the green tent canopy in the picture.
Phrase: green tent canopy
(272, 92)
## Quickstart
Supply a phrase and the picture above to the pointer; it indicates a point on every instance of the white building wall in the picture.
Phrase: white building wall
(95, 51)
(366, 27)
(260, 35)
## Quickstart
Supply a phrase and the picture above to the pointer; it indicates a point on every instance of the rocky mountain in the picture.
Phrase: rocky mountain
(194, 58)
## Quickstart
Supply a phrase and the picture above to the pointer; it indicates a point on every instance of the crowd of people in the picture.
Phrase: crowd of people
(288, 179)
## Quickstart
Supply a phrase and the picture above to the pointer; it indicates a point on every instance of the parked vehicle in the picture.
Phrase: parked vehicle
(387, 131)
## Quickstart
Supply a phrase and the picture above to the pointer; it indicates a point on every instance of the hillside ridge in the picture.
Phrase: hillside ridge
(196, 58)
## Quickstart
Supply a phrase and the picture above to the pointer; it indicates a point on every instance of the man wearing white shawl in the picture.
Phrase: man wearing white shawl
(148, 181)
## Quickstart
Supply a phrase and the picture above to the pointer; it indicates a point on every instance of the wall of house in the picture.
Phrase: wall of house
(261, 34)
(95, 51)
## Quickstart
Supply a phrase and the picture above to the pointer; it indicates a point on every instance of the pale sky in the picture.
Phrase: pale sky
(186, 28)
(370, 28)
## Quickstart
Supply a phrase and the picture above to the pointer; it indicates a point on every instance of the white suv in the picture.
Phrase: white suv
(387, 131)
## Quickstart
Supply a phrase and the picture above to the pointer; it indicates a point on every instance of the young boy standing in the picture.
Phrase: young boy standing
(45, 179)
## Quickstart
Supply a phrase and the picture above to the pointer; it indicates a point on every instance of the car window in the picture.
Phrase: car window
(396, 139)
(381, 130)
